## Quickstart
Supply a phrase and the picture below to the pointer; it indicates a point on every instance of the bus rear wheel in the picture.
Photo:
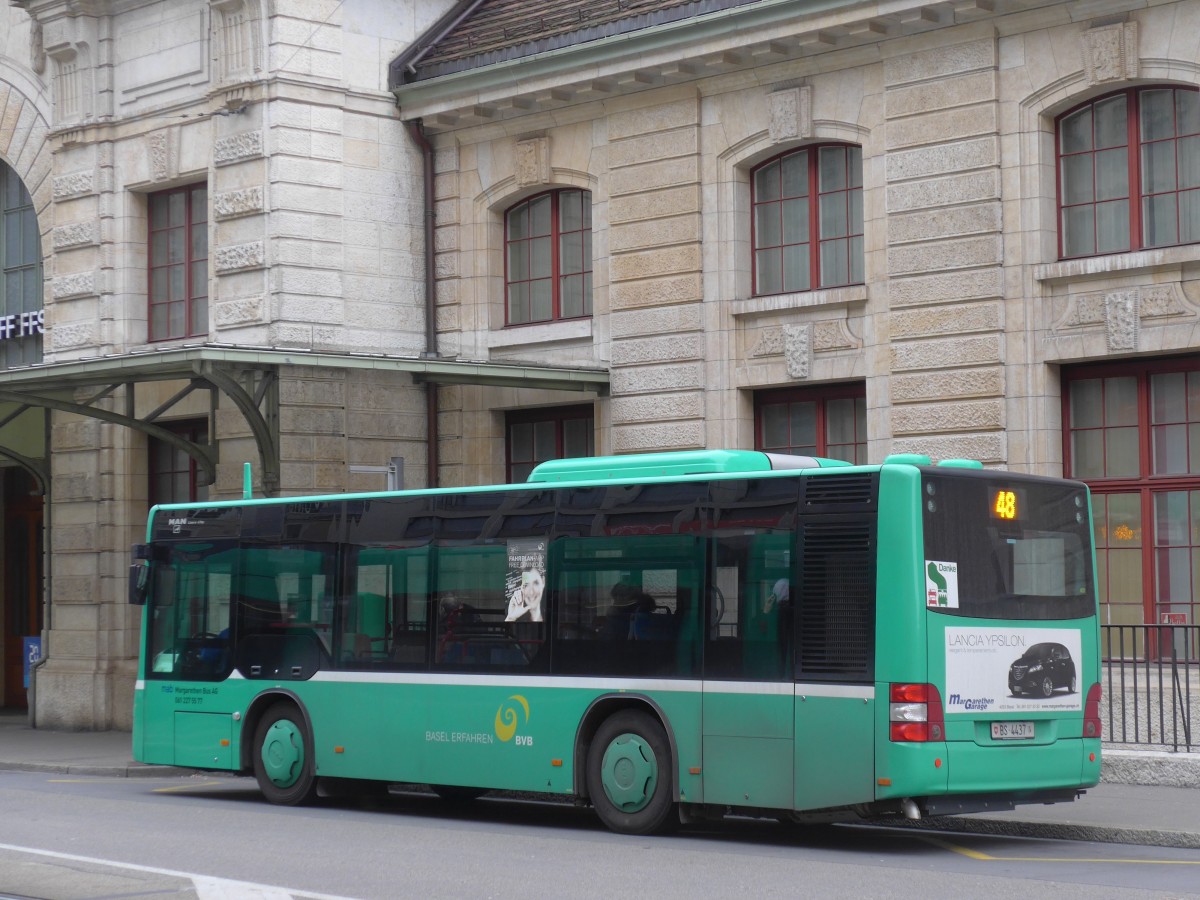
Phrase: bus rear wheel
(629, 775)
(283, 757)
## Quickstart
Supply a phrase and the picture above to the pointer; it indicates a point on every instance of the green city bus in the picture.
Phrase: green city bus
(666, 637)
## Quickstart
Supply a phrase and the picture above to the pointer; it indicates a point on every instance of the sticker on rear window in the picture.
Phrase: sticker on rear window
(941, 584)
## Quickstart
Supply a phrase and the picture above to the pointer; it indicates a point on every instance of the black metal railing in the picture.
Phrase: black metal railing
(1151, 689)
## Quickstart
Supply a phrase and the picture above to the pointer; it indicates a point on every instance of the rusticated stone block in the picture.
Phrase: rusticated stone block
(660, 436)
(956, 254)
(959, 220)
(938, 62)
(653, 205)
(917, 290)
(80, 234)
(656, 233)
(240, 257)
(951, 125)
(653, 147)
(75, 184)
(653, 379)
(965, 89)
(644, 351)
(242, 311)
(653, 119)
(650, 264)
(669, 319)
(983, 415)
(947, 353)
(972, 186)
(651, 176)
(231, 204)
(990, 448)
(944, 320)
(656, 291)
(71, 335)
(81, 284)
(654, 409)
(235, 148)
(942, 159)
(986, 382)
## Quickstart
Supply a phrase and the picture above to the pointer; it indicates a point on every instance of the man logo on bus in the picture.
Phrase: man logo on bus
(506, 720)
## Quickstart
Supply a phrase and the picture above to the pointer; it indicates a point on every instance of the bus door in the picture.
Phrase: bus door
(748, 691)
(834, 613)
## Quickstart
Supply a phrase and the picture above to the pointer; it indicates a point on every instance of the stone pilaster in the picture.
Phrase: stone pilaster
(658, 345)
(945, 251)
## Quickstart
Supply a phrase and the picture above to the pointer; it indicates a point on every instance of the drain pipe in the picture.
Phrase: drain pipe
(417, 133)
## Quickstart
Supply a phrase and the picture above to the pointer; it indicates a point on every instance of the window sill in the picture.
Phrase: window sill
(823, 299)
(543, 333)
(1126, 263)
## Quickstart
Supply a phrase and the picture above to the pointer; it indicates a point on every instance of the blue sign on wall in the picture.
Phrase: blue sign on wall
(33, 652)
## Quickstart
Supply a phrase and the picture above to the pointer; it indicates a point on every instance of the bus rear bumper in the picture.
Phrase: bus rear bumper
(960, 804)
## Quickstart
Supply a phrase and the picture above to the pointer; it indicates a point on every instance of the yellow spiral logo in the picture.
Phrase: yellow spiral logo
(506, 716)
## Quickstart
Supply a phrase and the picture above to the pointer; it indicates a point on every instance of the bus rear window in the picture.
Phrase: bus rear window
(1001, 547)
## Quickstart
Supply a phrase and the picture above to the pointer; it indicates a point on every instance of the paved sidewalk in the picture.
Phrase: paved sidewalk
(1161, 807)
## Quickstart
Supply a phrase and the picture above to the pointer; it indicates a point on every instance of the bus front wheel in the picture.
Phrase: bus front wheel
(283, 758)
(629, 775)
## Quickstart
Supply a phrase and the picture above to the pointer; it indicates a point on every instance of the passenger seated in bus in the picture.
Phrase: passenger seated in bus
(627, 601)
(779, 598)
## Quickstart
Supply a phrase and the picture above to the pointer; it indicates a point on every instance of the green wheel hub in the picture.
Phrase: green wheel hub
(283, 753)
(629, 772)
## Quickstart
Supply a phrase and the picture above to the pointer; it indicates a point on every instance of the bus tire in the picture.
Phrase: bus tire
(629, 775)
(283, 757)
(456, 793)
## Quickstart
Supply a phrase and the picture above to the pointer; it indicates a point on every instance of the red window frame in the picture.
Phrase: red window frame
(1145, 485)
(817, 199)
(1135, 196)
(167, 462)
(557, 274)
(177, 263)
(518, 466)
(821, 396)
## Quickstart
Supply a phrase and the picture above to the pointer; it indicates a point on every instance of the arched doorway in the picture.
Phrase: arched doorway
(23, 578)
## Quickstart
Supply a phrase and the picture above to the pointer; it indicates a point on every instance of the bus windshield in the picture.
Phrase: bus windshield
(1027, 540)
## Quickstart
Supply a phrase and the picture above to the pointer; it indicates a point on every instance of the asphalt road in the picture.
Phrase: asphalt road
(86, 838)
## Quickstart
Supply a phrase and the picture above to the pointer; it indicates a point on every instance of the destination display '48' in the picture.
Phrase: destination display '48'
(666, 637)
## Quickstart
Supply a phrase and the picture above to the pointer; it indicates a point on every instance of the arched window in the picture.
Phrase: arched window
(1129, 172)
(807, 221)
(20, 274)
(548, 257)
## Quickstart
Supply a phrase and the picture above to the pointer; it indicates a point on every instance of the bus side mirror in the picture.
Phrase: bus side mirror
(139, 583)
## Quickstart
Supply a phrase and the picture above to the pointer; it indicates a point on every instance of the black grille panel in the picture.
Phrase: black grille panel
(837, 602)
(837, 492)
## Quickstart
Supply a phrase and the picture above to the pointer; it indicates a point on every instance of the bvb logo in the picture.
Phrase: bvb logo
(506, 716)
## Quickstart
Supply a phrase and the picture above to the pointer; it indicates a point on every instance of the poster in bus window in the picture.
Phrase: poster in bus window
(1012, 670)
(526, 580)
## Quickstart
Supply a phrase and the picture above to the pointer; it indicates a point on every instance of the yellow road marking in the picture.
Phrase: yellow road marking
(186, 787)
(976, 854)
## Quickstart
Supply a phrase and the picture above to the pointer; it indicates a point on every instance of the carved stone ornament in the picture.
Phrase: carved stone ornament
(790, 114)
(797, 350)
(160, 155)
(37, 49)
(532, 162)
(1110, 53)
(1122, 320)
(769, 343)
(1150, 301)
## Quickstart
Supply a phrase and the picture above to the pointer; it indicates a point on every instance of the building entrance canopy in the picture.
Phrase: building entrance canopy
(247, 377)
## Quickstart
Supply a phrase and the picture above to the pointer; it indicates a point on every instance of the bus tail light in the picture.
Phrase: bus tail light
(915, 713)
(1092, 724)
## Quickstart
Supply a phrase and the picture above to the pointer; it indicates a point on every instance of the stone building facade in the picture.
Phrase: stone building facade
(213, 257)
(1007, 305)
(840, 227)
